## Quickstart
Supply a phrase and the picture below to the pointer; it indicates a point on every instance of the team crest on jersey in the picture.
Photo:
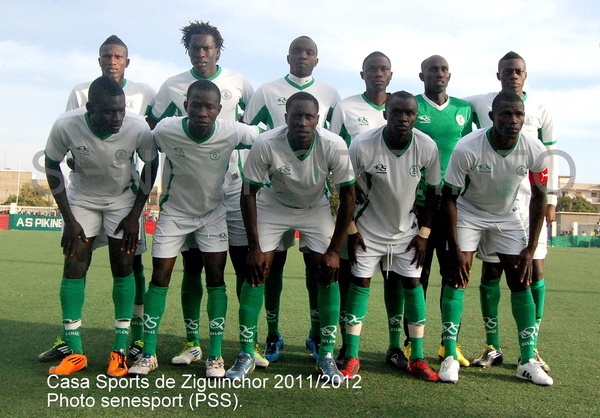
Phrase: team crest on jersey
(362, 120)
(83, 150)
(179, 151)
(424, 119)
(284, 169)
(380, 169)
(130, 104)
(460, 119)
(226, 94)
(528, 121)
(121, 154)
(281, 101)
(484, 168)
(413, 170)
(215, 155)
(521, 170)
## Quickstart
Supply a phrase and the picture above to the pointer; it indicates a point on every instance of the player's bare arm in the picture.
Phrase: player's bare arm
(461, 264)
(419, 242)
(256, 261)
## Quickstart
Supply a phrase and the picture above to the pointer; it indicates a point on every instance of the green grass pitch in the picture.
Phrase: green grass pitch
(30, 272)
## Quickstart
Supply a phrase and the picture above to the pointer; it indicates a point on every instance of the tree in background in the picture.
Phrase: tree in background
(28, 196)
(575, 204)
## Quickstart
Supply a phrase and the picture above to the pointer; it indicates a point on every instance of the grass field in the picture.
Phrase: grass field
(30, 271)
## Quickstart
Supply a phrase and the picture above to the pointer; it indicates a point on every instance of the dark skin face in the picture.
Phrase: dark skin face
(204, 55)
(401, 115)
(203, 108)
(302, 119)
(377, 73)
(435, 75)
(508, 118)
(113, 61)
(512, 75)
(106, 114)
(302, 57)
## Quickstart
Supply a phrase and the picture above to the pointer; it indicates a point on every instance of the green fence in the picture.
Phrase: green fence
(576, 241)
(32, 222)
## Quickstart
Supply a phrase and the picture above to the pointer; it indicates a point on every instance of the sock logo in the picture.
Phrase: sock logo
(353, 319)
(150, 322)
(396, 320)
(420, 323)
(247, 333)
(271, 315)
(329, 331)
(314, 313)
(450, 328)
(490, 322)
(528, 332)
(217, 323)
(191, 324)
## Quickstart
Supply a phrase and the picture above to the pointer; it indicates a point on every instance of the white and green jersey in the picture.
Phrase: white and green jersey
(538, 123)
(267, 105)
(138, 96)
(355, 115)
(195, 168)
(390, 180)
(235, 91)
(293, 181)
(488, 179)
(104, 166)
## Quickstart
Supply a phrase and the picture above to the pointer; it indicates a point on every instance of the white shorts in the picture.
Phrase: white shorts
(275, 220)
(102, 240)
(235, 222)
(501, 235)
(393, 257)
(96, 218)
(209, 234)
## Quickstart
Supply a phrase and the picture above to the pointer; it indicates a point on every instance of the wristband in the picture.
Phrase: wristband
(424, 232)
(352, 229)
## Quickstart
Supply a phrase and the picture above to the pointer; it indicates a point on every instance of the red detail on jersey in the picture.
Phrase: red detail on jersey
(538, 178)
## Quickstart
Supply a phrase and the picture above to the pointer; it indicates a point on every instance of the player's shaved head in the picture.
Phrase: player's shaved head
(434, 59)
(104, 86)
(401, 95)
(303, 38)
(204, 85)
(301, 95)
(505, 97)
(375, 54)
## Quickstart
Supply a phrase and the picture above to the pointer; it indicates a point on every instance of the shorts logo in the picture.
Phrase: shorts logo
(121, 155)
(329, 331)
(396, 320)
(130, 104)
(281, 101)
(460, 119)
(83, 150)
(362, 120)
(223, 236)
(484, 168)
(246, 332)
(424, 119)
(284, 169)
(150, 322)
(380, 169)
(179, 151)
(413, 171)
(191, 324)
(215, 155)
(521, 170)
(217, 323)
(450, 328)
(226, 94)
(528, 333)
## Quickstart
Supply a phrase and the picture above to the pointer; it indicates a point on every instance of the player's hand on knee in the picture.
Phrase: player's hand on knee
(355, 241)
(328, 268)
(71, 233)
(525, 267)
(130, 226)
(420, 245)
(462, 271)
(257, 267)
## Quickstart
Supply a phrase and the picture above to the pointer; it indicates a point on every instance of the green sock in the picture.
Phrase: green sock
(329, 313)
(416, 314)
(216, 308)
(273, 288)
(191, 297)
(72, 296)
(452, 307)
(251, 301)
(154, 308)
(523, 310)
(356, 309)
(489, 294)
(137, 324)
(313, 304)
(538, 291)
(123, 295)
(394, 306)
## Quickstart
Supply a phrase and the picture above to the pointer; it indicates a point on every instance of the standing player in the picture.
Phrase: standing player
(352, 116)
(268, 105)
(512, 74)
(391, 161)
(104, 195)
(445, 119)
(486, 168)
(197, 149)
(204, 44)
(297, 159)
(113, 61)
